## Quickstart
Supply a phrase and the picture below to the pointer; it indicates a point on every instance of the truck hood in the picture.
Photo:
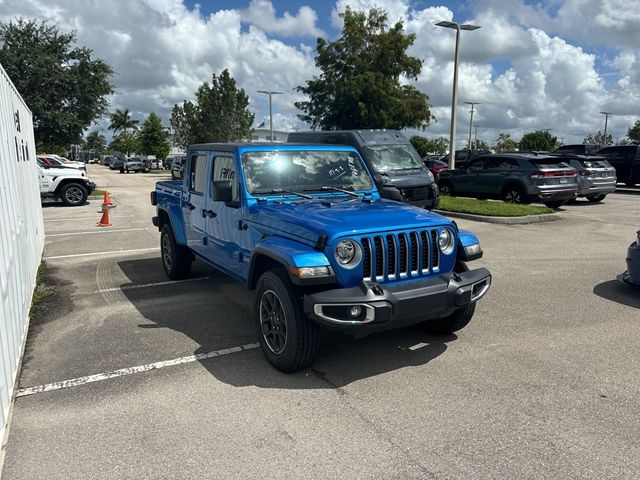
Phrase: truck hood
(309, 219)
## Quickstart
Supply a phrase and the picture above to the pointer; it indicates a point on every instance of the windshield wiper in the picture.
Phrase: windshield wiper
(288, 192)
(326, 188)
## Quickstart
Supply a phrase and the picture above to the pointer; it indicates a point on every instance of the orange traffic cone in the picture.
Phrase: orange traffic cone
(107, 199)
(104, 221)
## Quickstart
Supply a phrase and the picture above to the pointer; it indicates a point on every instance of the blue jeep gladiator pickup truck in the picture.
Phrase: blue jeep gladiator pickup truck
(306, 229)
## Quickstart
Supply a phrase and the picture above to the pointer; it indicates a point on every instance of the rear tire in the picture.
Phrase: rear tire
(288, 339)
(514, 194)
(73, 194)
(459, 319)
(555, 204)
(176, 259)
(596, 198)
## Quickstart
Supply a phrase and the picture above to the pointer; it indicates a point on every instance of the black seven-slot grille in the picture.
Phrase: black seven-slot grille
(395, 256)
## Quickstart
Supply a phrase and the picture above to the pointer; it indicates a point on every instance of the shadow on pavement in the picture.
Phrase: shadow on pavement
(618, 292)
(216, 314)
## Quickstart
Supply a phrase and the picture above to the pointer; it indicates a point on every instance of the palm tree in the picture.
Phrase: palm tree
(95, 141)
(121, 120)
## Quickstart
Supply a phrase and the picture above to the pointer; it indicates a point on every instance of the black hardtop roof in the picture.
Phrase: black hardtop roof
(233, 146)
(363, 136)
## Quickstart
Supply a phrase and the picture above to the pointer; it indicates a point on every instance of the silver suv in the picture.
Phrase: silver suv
(596, 177)
(515, 178)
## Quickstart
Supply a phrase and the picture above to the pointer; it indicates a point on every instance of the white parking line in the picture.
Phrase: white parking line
(85, 218)
(55, 257)
(145, 285)
(98, 377)
(101, 231)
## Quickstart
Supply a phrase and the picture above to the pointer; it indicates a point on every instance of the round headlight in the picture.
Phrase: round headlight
(445, 241)
(348, 253)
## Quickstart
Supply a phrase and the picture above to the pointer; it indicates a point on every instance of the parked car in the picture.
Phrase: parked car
(596, 177)
(68, 184)
(463, 157)
(106, 160)
(55, 161)
(626, 160)
(135, 164)
(177, 167)
(632, 275)
(167, 162)
(396, 166)
(435, 165)
(515, 178)
(306, 229)
(117, 163)
(579, 149)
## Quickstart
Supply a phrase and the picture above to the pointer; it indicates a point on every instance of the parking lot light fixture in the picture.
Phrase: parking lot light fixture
(606, 121)
(452, 133)
(270, 93)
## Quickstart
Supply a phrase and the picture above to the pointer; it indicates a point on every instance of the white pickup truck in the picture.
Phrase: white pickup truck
(69, 184)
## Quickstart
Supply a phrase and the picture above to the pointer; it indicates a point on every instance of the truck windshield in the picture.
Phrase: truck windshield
(386, 158)
(301, 170)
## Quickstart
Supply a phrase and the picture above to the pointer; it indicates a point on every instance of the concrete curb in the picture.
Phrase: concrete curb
(547, 217)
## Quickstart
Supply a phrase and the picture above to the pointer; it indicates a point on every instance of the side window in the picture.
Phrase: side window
(224, 168)
(476, 166)
(198, 174)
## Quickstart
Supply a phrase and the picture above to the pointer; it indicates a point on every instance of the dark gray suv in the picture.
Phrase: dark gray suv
(515, 178)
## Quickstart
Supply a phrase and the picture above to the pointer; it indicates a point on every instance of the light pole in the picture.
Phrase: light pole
(606, 120)
(452, 133)
(471, 121)
(270, 111)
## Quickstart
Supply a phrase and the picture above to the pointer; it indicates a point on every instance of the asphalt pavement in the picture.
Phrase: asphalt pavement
(542, 384)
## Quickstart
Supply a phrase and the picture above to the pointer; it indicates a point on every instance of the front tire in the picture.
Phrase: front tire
(459, 319)
(74, 194)
(596, 198)
(288, 339)
(176, 259)
(446, 188)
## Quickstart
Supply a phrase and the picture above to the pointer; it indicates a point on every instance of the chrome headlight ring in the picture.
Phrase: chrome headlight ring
(446, 241)
(348, 253)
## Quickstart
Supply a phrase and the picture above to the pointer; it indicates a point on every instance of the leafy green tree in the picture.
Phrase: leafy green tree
(598, 139)
(478, 144)
(505, 143)
(538, 140)
(359, 85)
(121, 120)
(154, 138)
(126, 142)
(219, 114)
(63, 85)
(429, 146)
(634, 132)
(95, 141)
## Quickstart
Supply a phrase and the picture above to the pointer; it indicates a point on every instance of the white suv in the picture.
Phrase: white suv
(68, 184)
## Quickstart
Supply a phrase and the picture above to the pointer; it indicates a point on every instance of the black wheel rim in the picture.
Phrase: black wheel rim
(512, 196)
(273, 322)
(73, 195)
(166, 252)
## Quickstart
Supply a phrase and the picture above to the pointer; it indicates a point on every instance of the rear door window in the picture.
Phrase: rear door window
(198, 174)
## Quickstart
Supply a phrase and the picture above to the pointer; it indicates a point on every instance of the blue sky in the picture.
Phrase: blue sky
(548, 64)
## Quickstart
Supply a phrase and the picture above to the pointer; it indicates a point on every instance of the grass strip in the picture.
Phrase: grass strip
(490, 208)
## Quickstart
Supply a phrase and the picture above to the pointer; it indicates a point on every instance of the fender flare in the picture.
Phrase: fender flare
(174, 215)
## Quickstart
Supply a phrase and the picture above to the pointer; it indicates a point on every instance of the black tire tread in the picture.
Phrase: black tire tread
(308, 338)
(182, 257)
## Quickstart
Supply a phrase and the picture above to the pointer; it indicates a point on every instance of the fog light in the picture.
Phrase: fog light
(355, 311)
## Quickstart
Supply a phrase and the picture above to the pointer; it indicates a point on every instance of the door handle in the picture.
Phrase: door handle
(209, 213)
(191, 206)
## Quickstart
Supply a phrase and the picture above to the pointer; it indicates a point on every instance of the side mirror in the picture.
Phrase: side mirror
(222, 191)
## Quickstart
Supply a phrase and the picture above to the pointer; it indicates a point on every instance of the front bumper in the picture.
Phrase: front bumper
(91, 186)
(393, 305)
